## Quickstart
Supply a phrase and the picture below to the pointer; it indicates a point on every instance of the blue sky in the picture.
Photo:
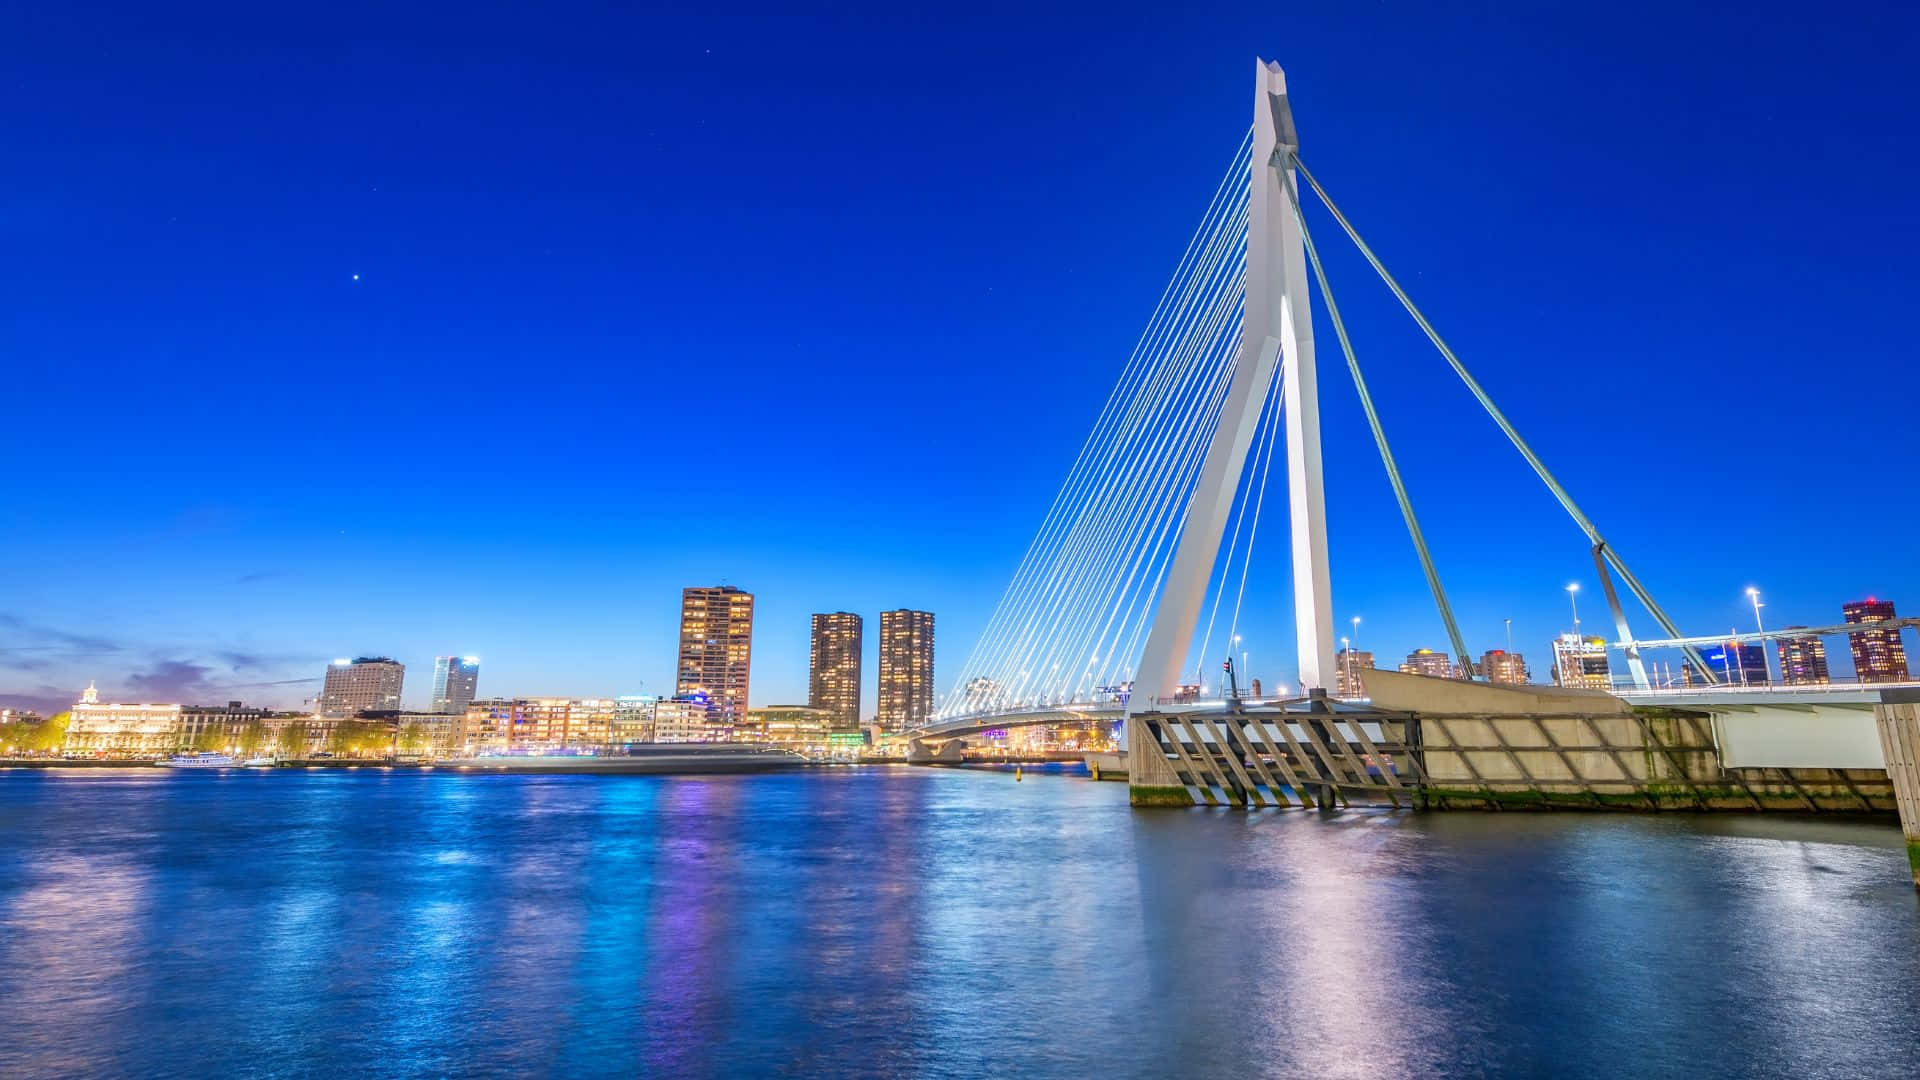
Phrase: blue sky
(822, 306)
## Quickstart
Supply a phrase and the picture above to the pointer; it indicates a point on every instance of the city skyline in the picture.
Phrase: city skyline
(173, 568)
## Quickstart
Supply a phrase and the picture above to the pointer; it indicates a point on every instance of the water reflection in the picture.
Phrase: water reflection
(918, 922)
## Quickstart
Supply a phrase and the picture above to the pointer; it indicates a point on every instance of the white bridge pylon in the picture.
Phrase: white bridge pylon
(1277, 326)
(1133, 541)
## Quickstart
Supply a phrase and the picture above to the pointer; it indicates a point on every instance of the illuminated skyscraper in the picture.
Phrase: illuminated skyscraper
(455, 678)
(1347, 667)
(363, 684)
(1581, 662)
(1427, 662)
(1803, 660)
(834, 681)
(906, 669)
(1503, 668)
(1878, 655)
(716, 647)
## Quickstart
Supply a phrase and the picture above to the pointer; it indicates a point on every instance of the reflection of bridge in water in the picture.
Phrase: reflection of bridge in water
(1157, 519)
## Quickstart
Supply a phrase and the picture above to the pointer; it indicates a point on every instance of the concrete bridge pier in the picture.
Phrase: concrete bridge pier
(949, 752)
(1898, 717)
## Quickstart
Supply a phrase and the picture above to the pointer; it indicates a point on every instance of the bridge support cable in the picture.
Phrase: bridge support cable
(1634, 667)
(1373, 422)
(1260, 500)
(1136, 504)
(1250, 495)
(1539, 467)
(1070, 620)
(1042, 558)
(1126, 513)
(1113, 494)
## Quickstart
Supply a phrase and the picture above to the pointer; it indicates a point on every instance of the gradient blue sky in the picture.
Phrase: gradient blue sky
(823, 305)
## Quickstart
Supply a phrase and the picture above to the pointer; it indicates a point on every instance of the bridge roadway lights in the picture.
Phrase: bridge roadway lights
(1898, 717)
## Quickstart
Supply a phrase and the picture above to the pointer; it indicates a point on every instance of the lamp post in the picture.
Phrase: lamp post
(1753, 594)
(1565, 657)
(1346, 665)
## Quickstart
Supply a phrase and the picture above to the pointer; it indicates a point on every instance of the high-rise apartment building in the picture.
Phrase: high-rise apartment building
(716, 648)
(834, 680)
(1878, 655)
(1503, 668)
(455, 678)
(1347, 680)
(1803, 660)
(1437, 665)
(363, 684)
(1581, 662)
(906, 669)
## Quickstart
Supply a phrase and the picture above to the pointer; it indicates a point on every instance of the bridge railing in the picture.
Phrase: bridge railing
(1625, 687)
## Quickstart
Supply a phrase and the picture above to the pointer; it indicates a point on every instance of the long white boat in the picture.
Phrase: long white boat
(206, 760)
(662, 759)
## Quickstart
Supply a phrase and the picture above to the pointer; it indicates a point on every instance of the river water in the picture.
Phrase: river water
(922, 922)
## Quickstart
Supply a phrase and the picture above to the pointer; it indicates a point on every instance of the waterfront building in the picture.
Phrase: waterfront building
(716, 648)
(1347, 666)
(362, 684)
(803, 729)
(218, 727)
(1256, 691)
(433, 734)
(542, 725)
(690, 719)
(1878, 655)
(122, 730)
(906, 669)
(1437, 665)
(833, 681)
(455, 679)
(632, 720)
(296, 734)
(1803, 660)
(1581, 662)
(489, 724)
(1503, 668)
(20, 716)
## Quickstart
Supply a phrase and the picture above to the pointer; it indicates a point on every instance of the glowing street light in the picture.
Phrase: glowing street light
(1573, 598)
(1753, 594)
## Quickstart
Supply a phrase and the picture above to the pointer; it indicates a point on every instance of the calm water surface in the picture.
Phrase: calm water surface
(920, 922)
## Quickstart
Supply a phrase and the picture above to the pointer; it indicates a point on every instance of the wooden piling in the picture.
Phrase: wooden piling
(1898, 717)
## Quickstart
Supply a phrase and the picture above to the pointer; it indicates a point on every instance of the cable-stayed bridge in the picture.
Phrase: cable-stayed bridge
(1138, 572)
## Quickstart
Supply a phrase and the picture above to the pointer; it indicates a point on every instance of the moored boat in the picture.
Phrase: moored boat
(205, 760)
(660, 759)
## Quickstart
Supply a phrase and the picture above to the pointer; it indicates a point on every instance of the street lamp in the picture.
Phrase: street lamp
(1356, 628)
(1753, 594)
(1573, 598)
(1346, 665)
